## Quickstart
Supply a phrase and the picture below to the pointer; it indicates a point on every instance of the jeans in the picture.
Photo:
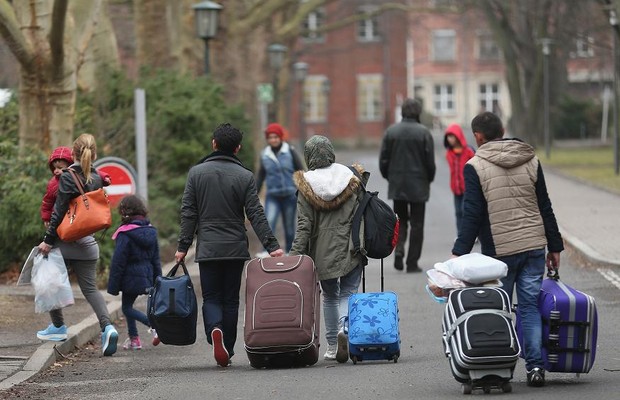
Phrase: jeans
(410, 213)
(336, 294)
(132, 315)
(287, 206)
(458, 211)
(86, 272)
(220, 282)
(526, 271)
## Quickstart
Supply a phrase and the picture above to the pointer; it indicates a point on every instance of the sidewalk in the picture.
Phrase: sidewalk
(588, 219)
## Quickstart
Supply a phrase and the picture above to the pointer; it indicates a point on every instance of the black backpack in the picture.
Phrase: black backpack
(381, 224)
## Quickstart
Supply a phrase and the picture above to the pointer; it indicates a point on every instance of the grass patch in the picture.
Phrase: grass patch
(591, 164)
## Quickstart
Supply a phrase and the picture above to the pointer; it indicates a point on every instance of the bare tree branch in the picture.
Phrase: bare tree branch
(56, 37)
(17, 43)
(88, 33)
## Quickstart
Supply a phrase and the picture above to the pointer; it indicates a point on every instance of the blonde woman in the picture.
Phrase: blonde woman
(82, 255)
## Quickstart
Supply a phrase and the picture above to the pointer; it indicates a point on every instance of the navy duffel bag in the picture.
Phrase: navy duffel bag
(172, 308)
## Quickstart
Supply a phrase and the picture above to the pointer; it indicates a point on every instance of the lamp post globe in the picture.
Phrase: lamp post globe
(300, 71)
(276, 54)
(206, 18)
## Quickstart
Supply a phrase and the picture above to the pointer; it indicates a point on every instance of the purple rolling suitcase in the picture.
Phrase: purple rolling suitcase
(570, 327)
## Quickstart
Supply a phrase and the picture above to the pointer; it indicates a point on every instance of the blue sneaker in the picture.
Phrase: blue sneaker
(52, 333)
(109, 339)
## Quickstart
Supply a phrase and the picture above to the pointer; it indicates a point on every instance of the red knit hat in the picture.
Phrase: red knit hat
(275, 128)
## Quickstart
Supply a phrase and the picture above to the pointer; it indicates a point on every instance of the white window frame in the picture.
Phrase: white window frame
(369, 97)
(584, 47)
(488, 97)
(368, 28)
(315, 99)
(443, 42)
(488, 50)
(313, 22)
(444, 102)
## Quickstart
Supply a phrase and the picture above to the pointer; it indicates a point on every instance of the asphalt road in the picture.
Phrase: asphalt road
(422, 371)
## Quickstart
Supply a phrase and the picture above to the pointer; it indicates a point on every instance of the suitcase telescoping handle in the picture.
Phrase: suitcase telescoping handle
(174, 269)
(364, 278)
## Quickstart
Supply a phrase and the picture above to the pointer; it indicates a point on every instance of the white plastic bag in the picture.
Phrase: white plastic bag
(50, 281)
(26, 274)
(474, 268)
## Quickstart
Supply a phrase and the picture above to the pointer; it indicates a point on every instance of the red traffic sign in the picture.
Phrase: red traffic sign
(122, 175)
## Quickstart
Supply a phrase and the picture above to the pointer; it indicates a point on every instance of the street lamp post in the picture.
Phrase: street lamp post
(300, 70)
(276, 59)
(613, 21)
(326, 87)
(206, 15)
(546, 43)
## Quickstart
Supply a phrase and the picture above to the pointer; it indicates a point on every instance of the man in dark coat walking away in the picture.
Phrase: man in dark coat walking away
(407, 161)
(219, 193)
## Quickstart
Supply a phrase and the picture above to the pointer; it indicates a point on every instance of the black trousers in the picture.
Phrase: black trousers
(410, 214)
(220, 282)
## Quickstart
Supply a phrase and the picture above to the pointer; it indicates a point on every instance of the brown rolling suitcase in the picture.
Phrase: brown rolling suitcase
(282, 312)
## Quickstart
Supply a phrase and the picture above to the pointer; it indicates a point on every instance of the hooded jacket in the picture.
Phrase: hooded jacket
(506, 202)
(47, 205)
(135, 263)
(326, 202)
(60, 153)
(218, 195)
(457, 159)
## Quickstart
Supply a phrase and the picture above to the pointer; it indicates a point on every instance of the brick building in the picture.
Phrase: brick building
(357, 74)
(448, 59)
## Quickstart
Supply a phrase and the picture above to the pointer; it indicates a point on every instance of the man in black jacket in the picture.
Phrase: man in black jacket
(407, 161)
(219, 193)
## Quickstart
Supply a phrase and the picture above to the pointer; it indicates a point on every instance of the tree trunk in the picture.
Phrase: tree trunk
(43, 37)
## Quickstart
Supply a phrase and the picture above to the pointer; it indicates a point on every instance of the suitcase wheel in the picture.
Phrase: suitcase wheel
(506, 387)
(395, 359)
(355, 359)
(466, 388)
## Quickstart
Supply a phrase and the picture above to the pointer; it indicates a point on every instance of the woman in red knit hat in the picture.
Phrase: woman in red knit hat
(278, 161)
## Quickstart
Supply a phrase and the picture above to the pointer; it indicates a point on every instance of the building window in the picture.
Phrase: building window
(443, 99)
(368, 28)
(370, 97)
(487, 47)
(444, 45)
(488, 94)
(315, 98)
(584, 47)
(312, 24)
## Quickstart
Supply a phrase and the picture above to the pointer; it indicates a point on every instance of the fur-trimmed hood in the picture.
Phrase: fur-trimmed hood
(330, 187)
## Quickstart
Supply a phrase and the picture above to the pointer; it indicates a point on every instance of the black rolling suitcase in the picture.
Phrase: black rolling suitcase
(479, 338)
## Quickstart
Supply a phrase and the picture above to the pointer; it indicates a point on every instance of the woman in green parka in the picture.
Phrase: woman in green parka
(326, 202)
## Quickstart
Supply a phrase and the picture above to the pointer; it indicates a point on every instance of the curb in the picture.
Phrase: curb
(47, 353)
(77, 335)
(586, 251)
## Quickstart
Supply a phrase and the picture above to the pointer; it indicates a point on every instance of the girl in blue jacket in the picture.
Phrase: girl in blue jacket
(135, 265)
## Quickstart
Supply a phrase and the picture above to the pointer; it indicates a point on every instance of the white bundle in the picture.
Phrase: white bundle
(473, 268)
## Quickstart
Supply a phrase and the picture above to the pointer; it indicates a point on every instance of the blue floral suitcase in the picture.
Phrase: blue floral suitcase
(374, 326)
(570, 327)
